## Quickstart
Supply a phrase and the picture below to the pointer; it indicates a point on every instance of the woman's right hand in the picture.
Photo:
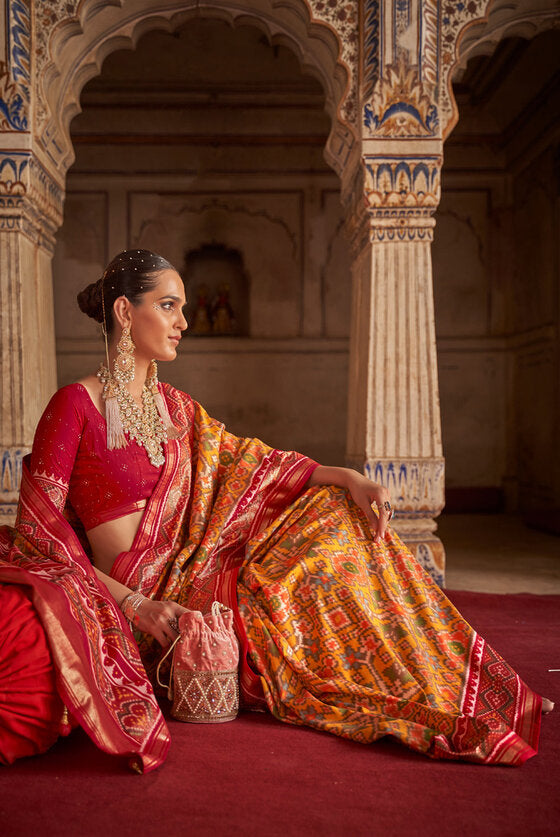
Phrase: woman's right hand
(158, 619)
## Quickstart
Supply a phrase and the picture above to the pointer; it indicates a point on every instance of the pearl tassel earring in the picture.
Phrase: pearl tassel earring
(159, 401)
(115, 430)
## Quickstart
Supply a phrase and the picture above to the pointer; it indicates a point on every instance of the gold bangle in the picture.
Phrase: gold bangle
(130, 605)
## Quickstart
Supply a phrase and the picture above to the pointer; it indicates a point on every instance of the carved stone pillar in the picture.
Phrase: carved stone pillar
(31, 197)
(394, 420)
(30, 211)
(407, 52)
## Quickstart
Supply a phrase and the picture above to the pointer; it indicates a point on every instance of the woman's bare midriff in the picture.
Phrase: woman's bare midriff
(109, 539)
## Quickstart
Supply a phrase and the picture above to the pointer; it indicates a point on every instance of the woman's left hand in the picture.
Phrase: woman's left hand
(364, 493)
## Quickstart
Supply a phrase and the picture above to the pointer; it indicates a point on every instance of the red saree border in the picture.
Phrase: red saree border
(99, 674)
(521, 743)
(151, 519)
(126, 563)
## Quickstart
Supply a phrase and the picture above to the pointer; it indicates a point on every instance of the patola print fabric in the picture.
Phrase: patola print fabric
(356, 639)
(336, 632)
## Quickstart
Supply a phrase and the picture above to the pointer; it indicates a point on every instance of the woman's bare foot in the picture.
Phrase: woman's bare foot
(547, 705)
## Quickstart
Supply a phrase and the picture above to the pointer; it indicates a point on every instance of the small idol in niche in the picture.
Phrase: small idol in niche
(202, 321)
(223, 320)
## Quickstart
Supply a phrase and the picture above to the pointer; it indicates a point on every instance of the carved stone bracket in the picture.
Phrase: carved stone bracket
(410, 49)
(401, 106)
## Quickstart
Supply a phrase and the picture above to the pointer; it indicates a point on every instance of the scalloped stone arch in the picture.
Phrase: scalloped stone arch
(78, 47)
(476, 29)
(506, 20)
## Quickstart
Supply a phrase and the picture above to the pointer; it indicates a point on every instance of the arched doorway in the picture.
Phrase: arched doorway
(74, 49)
(211, 136)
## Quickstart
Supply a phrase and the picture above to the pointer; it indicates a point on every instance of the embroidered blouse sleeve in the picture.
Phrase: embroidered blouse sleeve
(56, 444)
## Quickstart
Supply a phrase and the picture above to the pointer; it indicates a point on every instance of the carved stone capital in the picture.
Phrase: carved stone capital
(402, 193)
(31, 201)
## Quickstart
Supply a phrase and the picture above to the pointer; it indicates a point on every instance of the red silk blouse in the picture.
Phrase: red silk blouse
(70, 460)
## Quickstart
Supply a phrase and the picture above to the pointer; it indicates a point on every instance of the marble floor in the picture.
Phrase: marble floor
(498, 553)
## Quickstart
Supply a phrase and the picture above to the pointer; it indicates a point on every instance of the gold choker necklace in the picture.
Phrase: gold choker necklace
(145, 424)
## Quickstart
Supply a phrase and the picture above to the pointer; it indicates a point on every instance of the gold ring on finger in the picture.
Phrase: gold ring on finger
(386, 507)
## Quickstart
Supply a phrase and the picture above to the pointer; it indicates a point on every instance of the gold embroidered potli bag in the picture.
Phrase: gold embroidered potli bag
(203, 684)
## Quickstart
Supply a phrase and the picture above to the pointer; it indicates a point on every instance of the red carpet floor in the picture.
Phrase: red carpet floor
(256, 776)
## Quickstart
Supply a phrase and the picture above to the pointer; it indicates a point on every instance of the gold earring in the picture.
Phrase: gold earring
(124, 365)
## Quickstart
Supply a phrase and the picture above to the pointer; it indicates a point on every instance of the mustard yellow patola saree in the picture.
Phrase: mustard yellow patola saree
(337, 632)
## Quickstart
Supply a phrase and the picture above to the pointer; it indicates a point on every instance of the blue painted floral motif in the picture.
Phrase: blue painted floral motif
(14, 166)
(429, 125)
(14, 113)
(20, 25)
(371, 41)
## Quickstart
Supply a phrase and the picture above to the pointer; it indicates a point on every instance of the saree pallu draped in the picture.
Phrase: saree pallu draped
(99, 675)
(336, 632)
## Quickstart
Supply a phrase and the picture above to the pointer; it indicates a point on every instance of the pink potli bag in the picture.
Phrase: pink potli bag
(203, 684)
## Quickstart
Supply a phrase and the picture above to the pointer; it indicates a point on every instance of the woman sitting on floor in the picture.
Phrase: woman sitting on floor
(132, 488)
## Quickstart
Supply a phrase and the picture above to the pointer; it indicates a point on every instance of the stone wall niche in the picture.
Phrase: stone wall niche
(218, 292)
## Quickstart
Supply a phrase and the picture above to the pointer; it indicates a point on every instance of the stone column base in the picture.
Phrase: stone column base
(7, 513)
(426, 547)
(416, 485)
(10, 479)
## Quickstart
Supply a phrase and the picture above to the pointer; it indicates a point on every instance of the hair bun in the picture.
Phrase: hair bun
(90, 301)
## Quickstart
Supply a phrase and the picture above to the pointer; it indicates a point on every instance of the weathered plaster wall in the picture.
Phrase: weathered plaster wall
(535, 315)
(471, 358)
(277, 383)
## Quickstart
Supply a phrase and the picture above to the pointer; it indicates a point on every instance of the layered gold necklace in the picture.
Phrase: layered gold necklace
(143, 424)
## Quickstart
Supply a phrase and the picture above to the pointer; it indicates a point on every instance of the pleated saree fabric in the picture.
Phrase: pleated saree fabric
(336, 632)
